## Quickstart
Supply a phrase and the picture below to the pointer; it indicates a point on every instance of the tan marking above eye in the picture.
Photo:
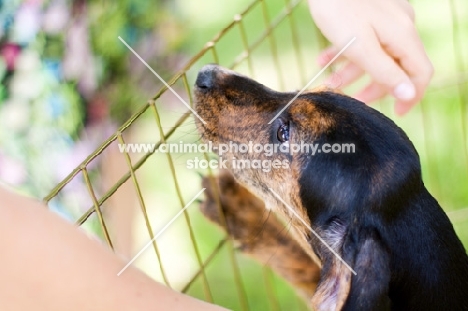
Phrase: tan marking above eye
(307, 117)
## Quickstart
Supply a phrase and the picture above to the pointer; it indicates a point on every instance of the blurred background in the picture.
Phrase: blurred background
(70, 87)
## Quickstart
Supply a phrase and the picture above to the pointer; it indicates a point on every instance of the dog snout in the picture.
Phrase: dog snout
(206, 77)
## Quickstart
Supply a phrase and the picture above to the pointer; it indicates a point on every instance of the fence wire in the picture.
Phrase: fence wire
(270, 41)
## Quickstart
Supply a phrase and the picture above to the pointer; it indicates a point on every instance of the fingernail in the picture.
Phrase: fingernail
(405, 91)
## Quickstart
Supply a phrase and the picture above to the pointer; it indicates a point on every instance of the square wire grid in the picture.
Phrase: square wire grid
(280, 44)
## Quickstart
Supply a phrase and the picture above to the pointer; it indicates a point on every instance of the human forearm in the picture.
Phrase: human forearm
(48, 264)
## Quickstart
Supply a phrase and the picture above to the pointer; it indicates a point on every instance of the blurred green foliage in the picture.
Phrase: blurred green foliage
(168, 33)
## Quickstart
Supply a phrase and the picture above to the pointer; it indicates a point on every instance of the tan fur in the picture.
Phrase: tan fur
(259, 233)
(261, 236)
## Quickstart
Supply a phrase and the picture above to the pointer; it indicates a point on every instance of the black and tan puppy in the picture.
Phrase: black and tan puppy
(371, 206)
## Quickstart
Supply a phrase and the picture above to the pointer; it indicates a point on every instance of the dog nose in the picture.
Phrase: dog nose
(206, 77)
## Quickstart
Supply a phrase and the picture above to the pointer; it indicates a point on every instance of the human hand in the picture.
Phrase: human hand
(387, 47)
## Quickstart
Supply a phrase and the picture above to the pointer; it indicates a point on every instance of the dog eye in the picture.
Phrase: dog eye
(283, 133)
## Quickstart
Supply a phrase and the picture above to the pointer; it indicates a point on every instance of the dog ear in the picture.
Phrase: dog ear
(335, 280)
(367, 289)
(370, 285)
(333, 288)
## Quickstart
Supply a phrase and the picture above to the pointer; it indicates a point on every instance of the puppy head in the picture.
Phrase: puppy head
(333, 189)
(237, 111)
(323, 183)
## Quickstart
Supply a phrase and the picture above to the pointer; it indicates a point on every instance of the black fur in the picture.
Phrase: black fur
(393, 233)
(414, 260)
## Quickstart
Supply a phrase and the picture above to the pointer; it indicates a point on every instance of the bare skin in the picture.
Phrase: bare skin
(387, 47)
(48, 264)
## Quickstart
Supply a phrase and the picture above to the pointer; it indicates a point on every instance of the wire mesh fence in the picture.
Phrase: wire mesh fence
(277, 44)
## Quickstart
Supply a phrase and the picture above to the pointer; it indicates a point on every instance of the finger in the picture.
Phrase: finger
(383, 69)
(344, 76)
(402, 108)
(416, 64)
(327, 55)
(420, 70)
(408, 8)
(411, 56)
(371, 93)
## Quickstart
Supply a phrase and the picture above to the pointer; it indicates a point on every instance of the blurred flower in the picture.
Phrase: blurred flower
(15, 115)
(64, 75)
(13, 172)
(53, 67)
(56, 17)
(56, 105)
(10, 52)
(27, 22)
(78, 62)
(29, 60)
(27, 85)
